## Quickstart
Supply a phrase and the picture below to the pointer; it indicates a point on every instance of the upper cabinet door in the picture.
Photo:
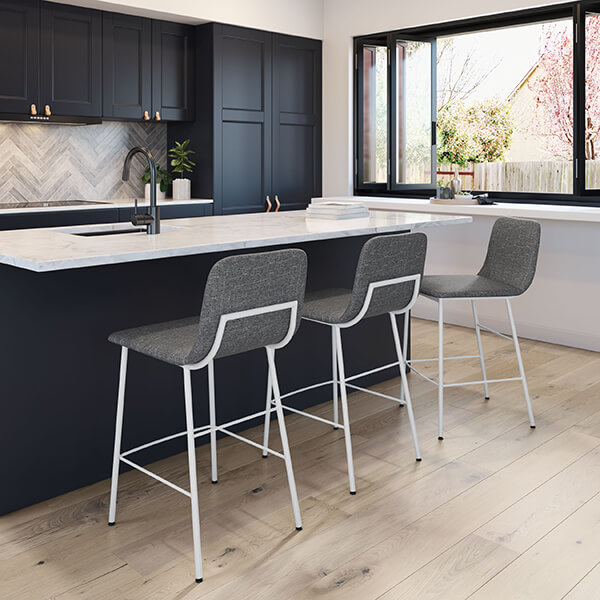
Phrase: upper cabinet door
(172, 71)
(296, 120)
(127, 66)
(71, 60)
(242, 117)
(19, 48)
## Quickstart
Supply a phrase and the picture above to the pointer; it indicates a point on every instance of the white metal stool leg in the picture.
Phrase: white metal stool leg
(191, 447)
(267, 415)
(520, 361)
(440, 370)
(480, 348)
(114, 484)
(404, 379)
(284, 438)
(346, 418)
(335, 377)
(404, 350)
(213, 421)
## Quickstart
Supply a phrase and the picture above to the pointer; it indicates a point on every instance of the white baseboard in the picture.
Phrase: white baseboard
(459, 313)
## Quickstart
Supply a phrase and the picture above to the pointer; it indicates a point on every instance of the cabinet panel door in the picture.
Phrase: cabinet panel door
(296, 120)
(172, 71)
(127, 66)
(242, 117)
(71, 60)
(19, 47)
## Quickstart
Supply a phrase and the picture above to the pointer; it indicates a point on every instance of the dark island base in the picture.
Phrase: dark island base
(60, 374)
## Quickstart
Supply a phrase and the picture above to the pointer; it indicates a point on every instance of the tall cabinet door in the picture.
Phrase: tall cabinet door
(296, 120)
(127, 66)
(19, 48)
(172, 71)
(242, 119)
(71, 60)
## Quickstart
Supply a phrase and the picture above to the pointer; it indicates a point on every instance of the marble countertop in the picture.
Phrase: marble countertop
(112, 203)
(553, 212)
(55, 249)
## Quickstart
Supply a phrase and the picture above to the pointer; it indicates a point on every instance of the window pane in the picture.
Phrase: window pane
(505, 108)
(592, 101)
(413, 112)
(375, 114)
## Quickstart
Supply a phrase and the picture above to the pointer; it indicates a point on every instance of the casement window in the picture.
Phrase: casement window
(510, 102)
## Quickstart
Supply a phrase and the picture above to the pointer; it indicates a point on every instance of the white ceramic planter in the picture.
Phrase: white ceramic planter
(182, 189)
(159, 195)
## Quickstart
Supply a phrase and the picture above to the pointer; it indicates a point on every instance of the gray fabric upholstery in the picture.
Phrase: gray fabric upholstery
(235, 283)
(508, 269)
(382, 257)
(465, 286)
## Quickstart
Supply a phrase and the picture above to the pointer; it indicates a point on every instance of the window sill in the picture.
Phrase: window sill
(587, 214)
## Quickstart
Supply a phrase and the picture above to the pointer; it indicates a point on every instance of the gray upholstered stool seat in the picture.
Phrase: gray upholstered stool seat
(465, 286)
(250, 301)
(327, 306)
(171, 341)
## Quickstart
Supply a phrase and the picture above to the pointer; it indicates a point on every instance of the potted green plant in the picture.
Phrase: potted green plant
(181, 163)
(163, 181)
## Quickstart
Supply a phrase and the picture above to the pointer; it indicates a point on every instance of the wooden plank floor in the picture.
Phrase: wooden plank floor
(495, 511)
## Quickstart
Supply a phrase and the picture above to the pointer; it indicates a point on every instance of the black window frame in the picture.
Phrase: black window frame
(573, 10)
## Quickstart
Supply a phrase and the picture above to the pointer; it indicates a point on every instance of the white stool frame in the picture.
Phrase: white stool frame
(192, 432)
(337, 364)
(484, 381)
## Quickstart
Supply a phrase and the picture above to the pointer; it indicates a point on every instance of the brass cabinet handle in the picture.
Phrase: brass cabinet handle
(146, 115)
(157, 116)
(277, 203)
(33, 110)
(269, 205)
(47, 110)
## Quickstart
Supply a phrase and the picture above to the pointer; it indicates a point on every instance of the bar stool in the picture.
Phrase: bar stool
(387, 280)
(507, 272)
(250, 301)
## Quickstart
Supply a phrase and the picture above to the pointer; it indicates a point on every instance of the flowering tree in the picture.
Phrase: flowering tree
(552, 86)
(475, 133)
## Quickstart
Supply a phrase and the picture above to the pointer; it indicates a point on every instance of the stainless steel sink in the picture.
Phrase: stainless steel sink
(109, 229)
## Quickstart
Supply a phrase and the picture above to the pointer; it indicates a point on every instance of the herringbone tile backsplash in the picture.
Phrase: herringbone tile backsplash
(61, 162)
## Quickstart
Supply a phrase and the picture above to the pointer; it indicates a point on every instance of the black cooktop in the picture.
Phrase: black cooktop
(48, 204)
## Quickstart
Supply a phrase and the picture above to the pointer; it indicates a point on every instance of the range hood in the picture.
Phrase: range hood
(49, 120)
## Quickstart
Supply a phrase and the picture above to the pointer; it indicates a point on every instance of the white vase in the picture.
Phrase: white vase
(182, 189)
(159, 195)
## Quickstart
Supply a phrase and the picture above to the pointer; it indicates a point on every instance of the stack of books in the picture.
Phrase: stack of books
(337, 210)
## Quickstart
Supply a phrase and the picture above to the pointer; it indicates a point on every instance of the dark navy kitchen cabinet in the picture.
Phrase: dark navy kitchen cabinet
(172, 71)
(71, 60)
(257, 131)
(19, 48)
(127, 66)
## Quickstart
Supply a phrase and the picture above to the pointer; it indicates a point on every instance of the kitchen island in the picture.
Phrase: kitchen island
(66, 289)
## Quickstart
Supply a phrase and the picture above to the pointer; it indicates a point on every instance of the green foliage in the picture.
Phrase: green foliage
(481, 132)
(179, 156)
(163, 177)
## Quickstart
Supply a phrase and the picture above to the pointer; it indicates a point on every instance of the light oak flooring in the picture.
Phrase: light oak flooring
(495, 511)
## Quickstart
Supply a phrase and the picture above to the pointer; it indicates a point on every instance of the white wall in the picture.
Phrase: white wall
(562, 305)
(293, 17)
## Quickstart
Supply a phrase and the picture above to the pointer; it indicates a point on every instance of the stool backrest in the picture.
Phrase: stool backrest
(387, 257)
(513, 252)
(245, 282)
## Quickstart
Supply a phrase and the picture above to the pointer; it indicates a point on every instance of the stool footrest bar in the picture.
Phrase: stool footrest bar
(423, 376)
(461, 383)
(305, 414)
(420, 360)
(306, 389)
(368, 391)
(155, 476)
(252, 443)
(376, 370)
(164, 439)
(490, 330)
